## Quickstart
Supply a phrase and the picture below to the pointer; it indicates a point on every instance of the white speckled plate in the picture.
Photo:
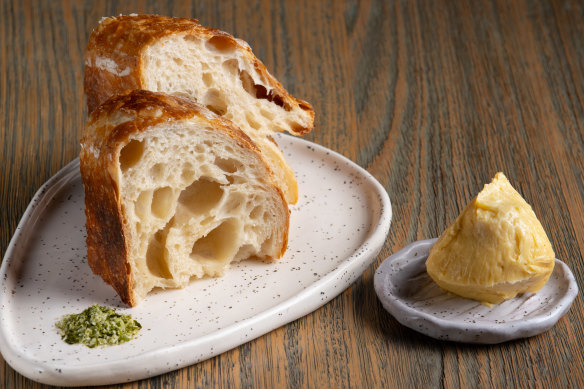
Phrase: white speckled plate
(337, 228)
(407, 292)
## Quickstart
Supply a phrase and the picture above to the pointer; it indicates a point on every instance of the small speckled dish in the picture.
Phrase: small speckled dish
(337, 229)
(407, 292)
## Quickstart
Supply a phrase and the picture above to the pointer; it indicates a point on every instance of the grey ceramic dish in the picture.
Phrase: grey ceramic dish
(409, 294)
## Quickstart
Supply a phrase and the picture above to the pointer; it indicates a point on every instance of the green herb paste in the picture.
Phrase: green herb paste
(97, 326)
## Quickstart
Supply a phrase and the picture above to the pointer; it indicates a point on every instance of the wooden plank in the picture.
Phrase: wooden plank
(432, 97)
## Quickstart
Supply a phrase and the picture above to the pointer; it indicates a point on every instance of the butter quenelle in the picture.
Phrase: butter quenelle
(495, 250)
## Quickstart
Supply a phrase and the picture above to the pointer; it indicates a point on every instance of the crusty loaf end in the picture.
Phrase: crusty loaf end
(180, 57)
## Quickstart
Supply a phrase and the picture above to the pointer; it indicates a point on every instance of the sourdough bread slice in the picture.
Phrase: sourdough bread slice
(172, 192)
(181, 57)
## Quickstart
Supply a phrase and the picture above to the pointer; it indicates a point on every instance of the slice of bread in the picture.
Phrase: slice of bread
(172, 192)
(181, 57)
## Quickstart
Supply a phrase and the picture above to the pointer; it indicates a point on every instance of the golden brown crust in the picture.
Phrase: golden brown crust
(113, 57)
(103, 138)
(112, 60)
(106, 246)
(150, 108)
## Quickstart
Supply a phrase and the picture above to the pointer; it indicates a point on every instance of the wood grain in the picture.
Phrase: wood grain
(431, 97)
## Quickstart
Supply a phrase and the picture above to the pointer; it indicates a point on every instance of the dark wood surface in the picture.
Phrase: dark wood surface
(431, 97)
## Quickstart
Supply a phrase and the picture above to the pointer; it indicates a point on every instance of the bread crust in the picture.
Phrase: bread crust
(103, 138)
(113, 57)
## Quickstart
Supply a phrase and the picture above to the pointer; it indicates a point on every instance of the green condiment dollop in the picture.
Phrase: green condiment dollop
(97, 326)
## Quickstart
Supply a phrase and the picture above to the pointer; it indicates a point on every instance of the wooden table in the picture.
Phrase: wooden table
(431, 97)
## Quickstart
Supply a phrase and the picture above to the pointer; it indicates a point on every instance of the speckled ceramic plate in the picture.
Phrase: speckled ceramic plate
(409, 294)
(337, 229)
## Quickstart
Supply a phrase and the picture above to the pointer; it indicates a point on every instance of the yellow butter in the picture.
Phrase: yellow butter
(494, 250)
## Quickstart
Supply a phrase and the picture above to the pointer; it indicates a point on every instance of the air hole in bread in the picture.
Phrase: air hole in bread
(218, 245)
(260, 91)
(215, 109)
(256, 212)
(267, 114)
(178, 61)
(222, 44)
(162, 202)
(187, 174)
(157, 172)
(232, 66)
(215, 101)
(207, 79)
(201, 196)
(296, 127)
(247, 82)
(131, 154)
(142, 205)
(227, 165)
(155, 255)
(251, 121)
